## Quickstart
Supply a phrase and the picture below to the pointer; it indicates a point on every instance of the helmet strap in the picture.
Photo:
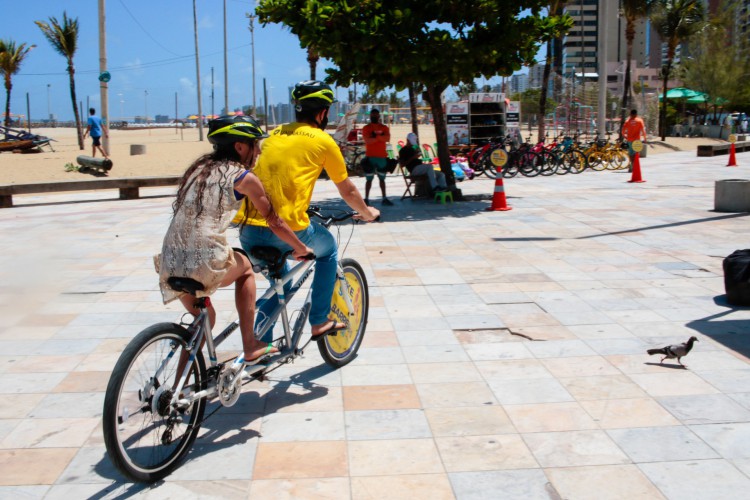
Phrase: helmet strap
(323, 123)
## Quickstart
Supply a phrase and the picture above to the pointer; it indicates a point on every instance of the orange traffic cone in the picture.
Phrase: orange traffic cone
(732, 157)
(636, 169)
(498, 198)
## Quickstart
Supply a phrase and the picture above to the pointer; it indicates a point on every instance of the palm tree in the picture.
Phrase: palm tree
(632, 11)
(312, 60)
(11, 57)
(675, 21)
(554, 8)
(64, 39)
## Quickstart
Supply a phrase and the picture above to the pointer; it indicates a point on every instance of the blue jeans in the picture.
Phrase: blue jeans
(323, 244)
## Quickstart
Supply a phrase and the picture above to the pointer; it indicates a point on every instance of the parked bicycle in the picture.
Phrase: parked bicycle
(152, 413)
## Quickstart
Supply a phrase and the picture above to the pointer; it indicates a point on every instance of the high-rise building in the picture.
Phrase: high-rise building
(519, 83)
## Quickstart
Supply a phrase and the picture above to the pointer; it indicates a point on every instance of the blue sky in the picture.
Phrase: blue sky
(150, 47)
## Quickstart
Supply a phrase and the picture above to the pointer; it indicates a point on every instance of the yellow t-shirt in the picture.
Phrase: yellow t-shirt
(289, 164)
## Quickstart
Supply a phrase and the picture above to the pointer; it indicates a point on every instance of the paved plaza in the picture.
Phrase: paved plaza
(505, 355)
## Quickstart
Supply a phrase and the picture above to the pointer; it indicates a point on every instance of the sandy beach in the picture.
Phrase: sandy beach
(170, 151)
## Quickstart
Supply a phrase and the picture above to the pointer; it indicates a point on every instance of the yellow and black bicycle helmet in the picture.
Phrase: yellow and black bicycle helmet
(227, 130)
(312, 95)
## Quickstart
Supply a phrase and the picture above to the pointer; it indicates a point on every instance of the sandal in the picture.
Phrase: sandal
(268, 350)
(333, 329)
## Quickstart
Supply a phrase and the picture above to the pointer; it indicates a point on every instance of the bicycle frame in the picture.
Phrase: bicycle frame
(202, 326)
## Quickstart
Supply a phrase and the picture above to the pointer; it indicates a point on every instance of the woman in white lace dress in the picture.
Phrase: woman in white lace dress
(195, 246)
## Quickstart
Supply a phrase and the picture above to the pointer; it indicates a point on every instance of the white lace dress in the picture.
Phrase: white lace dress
(195, 246)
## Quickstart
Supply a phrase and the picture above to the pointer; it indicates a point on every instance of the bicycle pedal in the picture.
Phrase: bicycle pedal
(251, 370)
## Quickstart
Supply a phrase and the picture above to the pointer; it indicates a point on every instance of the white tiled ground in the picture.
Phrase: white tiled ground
(504, 358)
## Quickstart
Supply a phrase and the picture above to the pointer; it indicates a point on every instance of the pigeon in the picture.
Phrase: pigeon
(674, 351)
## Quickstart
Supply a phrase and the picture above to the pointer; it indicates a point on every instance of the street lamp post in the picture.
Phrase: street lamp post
(251, 17)
(49, 107)
(122, 112)
(145, 101)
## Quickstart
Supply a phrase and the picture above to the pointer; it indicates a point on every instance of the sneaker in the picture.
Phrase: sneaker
(387, 202)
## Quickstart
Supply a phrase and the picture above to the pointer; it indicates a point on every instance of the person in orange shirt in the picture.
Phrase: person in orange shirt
(632, 130)
(376, 136)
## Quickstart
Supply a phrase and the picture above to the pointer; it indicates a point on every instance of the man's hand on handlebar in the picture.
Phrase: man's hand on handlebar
(304, 253)
(372, 215)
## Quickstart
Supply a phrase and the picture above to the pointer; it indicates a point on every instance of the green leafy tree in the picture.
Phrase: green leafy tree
(675, 21)
(11, 57)
(716, 65)
(464, 89)
(64, 39)
(437, 43)
(554, 9)
(631, 11)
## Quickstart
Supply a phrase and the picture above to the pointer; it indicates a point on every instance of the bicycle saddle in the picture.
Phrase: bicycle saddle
(187, 285)
(270, 258)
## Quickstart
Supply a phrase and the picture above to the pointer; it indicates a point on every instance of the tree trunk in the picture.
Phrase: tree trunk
(413, 109)
(79, 131)
(7, 106)
(629, 37)
(441, 133)
(663, 108)
(666, 70)
(543, 93)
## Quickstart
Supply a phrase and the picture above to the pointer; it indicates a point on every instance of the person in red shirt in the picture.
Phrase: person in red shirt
(632, 130)
(376, 136)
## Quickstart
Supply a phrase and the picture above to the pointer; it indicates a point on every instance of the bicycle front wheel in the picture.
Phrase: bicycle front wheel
(145, 434)
(338, 350)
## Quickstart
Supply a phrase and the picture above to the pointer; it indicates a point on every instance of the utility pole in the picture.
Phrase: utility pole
(212, 92)
(103, 85)
(145, 103)
(198, 73)
(175, 113)
(251, 17)
(226, 78)
(49, 107)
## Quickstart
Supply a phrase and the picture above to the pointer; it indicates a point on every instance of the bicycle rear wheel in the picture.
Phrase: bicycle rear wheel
(338, 350)
(145, 435)
(575, 161)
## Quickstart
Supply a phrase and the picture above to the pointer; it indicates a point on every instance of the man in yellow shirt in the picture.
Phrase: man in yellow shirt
(376, 136)
(291, 160)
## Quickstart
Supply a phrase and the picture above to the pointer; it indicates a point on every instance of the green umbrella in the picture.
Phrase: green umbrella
(682, 93)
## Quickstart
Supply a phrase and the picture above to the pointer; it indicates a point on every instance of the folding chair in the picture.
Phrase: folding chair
(411, 180)
(429, 153)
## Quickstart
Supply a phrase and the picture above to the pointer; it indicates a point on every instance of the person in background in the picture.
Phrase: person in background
(410, 158)
(95, 128)
(376, 136)
(632, 130)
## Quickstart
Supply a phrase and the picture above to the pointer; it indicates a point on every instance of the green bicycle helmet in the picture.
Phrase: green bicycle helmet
(227, 130)
(312, 95)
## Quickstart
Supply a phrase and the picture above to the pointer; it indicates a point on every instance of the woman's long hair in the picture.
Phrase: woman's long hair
(205, 165)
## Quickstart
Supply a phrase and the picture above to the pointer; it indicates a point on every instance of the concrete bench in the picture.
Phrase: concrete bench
(722, 149)
(129, 188)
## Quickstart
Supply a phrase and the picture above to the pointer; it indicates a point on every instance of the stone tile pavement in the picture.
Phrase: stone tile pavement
(504, 358)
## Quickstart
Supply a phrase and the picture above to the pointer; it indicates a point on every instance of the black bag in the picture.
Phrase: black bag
(391, 164)
(737, 277)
